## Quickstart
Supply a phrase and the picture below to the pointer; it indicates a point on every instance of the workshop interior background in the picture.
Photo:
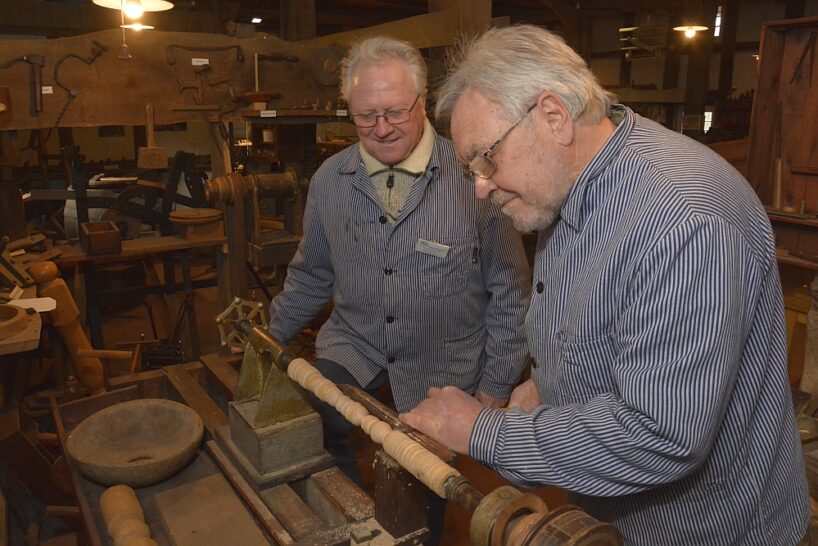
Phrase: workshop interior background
(164, 172)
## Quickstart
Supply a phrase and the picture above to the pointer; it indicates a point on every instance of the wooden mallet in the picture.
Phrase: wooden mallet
(151, 156)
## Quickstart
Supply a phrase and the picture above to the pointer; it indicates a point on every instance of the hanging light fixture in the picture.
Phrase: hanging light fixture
(147, 5)
(690, 30)
(133, 9)
(138, 26)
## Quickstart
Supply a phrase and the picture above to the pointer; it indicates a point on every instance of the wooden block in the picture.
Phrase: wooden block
(292, 511)
(207, 512)
(350, 499)
(277, 446)
(100, 238)
(299, 468)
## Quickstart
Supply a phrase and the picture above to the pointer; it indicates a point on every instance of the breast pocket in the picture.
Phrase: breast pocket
(585, 367)
(446, 276)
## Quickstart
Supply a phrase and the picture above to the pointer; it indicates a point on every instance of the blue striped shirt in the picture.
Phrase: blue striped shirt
(657, 325)
(429, 320)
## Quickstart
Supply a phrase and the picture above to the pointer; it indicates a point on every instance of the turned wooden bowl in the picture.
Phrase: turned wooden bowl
(136, 443)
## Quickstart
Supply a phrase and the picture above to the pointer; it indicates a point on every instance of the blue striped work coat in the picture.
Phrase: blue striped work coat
(430, 321)
(657, 324)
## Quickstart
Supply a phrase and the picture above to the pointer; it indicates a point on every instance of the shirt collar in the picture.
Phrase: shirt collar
(573, 211)
(416, 162)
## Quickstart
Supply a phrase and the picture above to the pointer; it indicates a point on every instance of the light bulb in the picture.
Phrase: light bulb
(689, 33)
(133, 9)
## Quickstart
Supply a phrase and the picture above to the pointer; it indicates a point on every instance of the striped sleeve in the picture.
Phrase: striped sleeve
(310, 277)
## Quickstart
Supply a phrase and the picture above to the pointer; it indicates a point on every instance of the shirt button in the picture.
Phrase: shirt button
(540, 287)
(390, 319)
(382, 219)
(391, 359)
(387, 271)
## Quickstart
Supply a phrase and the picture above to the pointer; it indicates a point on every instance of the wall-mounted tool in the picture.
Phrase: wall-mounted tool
(151, 156)
(97, 49)
(35, 64)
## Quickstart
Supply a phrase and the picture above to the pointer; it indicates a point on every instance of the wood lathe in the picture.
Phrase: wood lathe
(503, 517)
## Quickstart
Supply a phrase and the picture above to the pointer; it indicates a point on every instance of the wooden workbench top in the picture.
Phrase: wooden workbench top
(133, 249)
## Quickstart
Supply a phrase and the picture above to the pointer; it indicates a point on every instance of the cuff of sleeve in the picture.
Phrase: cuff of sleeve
(484, 435)
(497, 390)
(279, 334)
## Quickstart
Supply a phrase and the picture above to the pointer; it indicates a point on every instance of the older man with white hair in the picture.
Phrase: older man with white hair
(660, 395)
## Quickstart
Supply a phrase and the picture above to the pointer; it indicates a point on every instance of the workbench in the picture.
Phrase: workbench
(320, 508)
(73, 258)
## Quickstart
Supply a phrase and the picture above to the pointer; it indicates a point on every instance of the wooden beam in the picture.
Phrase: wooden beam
(473, 17)
(570, 20)
(729, 27)
(297, 19)
(429, 30)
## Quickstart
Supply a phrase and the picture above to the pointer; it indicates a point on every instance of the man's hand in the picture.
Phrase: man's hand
(525, 396)
(489, 401)
(448, 416)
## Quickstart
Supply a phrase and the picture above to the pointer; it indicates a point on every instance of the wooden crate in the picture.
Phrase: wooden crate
(100, 238)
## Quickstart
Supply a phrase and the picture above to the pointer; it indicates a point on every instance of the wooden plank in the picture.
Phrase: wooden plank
(162, 65)
(261, 511)
(350, 499)
(293, 512)
(207, 512)
(196, 397)
(133, 249)
(428, 30)
(225, 376)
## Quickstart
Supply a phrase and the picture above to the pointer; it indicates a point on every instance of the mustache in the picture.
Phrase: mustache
(500, 197)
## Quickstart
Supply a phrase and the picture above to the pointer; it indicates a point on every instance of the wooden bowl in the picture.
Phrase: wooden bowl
(136, 443)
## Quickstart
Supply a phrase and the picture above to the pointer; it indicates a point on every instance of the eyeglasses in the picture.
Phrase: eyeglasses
(483, 165)
(392, 117)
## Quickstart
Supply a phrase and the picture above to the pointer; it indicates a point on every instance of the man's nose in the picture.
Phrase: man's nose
(382, 127)
(483, 187)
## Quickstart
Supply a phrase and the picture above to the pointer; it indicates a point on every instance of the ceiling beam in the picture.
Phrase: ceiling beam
(428, 30)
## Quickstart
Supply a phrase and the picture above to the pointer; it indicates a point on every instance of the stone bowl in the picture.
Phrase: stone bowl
(136, 443)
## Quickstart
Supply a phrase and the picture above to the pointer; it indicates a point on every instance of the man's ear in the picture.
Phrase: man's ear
(555, 118)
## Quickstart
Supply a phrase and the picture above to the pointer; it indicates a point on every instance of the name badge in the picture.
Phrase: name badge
(431, 248)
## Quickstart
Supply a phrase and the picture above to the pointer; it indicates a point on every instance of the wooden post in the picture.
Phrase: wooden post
(297, 20)
(729, 26)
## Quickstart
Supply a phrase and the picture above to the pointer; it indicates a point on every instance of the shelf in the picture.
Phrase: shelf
(293, 114)
(793, 218)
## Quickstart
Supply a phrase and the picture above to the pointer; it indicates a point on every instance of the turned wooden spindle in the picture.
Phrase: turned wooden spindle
(419, 461)
(66, 319)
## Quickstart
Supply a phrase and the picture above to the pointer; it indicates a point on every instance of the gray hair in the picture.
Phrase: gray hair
(513, 65)
(378, 50)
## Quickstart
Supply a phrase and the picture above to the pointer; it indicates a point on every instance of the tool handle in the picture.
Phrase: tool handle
(149, 125)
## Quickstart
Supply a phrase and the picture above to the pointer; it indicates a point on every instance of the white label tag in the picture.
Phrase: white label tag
(431, 248)
(198, 61)
(268, 113)
(47, 90)
(340, 113)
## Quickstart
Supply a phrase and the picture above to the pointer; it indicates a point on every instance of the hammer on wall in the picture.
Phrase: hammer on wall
(35, 64)
(151, 156)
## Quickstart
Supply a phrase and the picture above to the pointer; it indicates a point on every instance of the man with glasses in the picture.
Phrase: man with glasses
(660, 395)
(429, 284)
